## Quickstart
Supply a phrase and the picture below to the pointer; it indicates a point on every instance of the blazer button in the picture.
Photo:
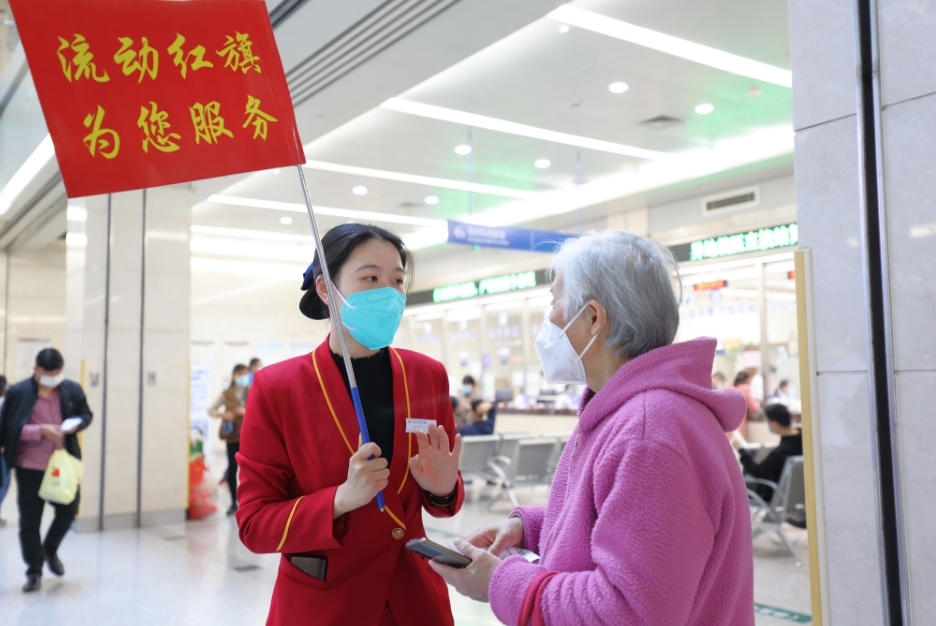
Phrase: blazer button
(397, 533)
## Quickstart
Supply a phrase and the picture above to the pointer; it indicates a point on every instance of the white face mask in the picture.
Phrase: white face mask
(561, 363)
(51, 381)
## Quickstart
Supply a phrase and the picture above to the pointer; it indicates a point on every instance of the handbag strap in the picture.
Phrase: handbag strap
(531, 609)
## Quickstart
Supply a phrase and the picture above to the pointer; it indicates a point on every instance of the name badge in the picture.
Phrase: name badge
(418, 426)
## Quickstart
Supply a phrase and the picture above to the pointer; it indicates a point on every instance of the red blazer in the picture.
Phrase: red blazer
(298, 434)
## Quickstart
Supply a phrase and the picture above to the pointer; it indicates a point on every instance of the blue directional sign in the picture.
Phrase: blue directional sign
(505, 237)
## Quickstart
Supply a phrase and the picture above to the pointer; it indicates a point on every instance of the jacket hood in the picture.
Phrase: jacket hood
(683, 368)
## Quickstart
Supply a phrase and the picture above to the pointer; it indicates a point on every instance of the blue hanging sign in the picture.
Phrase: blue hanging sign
(510, 238)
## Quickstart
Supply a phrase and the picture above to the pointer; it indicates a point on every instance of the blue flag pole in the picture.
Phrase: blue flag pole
(335, 311)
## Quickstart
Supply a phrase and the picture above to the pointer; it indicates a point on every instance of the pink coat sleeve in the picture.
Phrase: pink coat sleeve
(532, 517)
(650, 545)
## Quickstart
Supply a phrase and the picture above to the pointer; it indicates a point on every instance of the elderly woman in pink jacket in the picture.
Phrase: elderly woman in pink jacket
(648, 521)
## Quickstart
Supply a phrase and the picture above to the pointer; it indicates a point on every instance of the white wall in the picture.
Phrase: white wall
(242, 309)
(36, 306)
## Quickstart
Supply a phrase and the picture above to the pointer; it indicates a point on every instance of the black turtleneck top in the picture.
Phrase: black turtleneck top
(375, 384)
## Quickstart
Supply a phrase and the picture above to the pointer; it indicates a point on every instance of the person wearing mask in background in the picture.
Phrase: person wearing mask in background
(470, 389)
(630, 535)
(481, 423)
(791, 444)
(30, 431)
(230, 408)
(254, 366)
(308, 483)
(470, 396)
(719, 381)
(783, 395)
(742, 383)
(5, 474)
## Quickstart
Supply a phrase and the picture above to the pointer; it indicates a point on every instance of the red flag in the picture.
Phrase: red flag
(142, 93)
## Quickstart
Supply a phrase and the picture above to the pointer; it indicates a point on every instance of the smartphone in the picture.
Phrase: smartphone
(436, 552)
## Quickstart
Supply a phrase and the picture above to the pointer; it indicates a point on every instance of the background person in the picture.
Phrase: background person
(630, 535)
(481, 423)
(780, 422)
(308, 484)
(783, 395)
(567, 400)
(255, 365)
(719, 381)
(5, 473)
(230, 408)
(742, 383)
(30, 431)
(469, 389)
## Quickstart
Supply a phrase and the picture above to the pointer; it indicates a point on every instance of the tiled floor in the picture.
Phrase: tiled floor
(198, 573)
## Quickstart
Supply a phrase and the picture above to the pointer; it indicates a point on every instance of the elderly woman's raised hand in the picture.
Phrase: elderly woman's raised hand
(499, 537)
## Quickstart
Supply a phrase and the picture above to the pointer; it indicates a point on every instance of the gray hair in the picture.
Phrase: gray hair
(630, 276)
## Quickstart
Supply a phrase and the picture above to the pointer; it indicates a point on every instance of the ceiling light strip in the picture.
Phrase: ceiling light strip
(292, 207)
(672, 45)
(445, 183)
(26, 173)
(513, 128)
(250, 234)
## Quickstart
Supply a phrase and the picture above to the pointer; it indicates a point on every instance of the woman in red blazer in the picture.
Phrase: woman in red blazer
(308, 486)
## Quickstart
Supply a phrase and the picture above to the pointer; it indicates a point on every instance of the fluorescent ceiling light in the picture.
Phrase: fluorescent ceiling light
(445, 183)
(25, 174)
(541, 163)
(618, 87)
(724, 155)
(292, 207)
(564, 28)
(427, 238)
(260, 244)
(431, 200)
(359, 190)
(286, 221)
(704, 109)
(243, 233)
(237, 247)
(463, 149)
(675, 46)
(513, 128)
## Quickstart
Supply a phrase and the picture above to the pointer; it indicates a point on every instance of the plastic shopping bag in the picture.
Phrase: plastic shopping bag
(62, 477)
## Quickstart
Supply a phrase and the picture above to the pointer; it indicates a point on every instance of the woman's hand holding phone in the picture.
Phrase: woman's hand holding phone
(366, 477)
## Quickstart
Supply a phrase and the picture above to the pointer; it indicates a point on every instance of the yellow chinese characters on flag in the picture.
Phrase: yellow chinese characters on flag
(155, 125)
(152, 92)
(258, 118)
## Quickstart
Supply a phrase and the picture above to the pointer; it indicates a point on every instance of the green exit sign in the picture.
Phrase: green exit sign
(484, 287)
(760, 240)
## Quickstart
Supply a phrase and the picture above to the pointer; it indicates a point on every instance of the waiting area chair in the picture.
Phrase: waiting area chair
(528, 465)
(787, 504)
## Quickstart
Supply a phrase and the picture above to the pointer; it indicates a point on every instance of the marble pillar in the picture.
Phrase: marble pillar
(131, 296)
(828, 180)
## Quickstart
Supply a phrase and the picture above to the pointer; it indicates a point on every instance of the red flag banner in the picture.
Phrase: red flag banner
(142, 93)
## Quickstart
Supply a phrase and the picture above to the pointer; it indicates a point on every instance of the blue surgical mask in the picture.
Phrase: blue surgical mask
(467, 389)
(373, 316)
(242, 381)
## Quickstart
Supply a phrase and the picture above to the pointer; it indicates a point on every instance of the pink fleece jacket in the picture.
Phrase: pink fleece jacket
(648, 521)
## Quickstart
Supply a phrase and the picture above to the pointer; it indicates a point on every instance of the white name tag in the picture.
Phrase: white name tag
(418, 426)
